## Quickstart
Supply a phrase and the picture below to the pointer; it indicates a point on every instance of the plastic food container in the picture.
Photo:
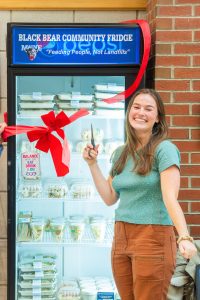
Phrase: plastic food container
(28, 284)
(56, 188)
(36, 96)
(65, 293)
(88, 294)
(98, 227)
(98, 134)
(37, 229)
(82, 190)
(30, 189)
(77, 227)
(33, 275)
(57, 229)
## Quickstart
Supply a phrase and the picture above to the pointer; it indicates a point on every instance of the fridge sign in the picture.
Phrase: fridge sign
(76, 46)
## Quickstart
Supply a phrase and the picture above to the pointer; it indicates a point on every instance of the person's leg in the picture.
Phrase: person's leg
(122, 264)
(152, 261)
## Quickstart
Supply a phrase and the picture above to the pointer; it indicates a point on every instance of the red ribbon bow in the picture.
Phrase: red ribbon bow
(46, 140)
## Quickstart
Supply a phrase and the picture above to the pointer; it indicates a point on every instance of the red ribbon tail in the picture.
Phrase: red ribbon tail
(56, 151)
(147, 45)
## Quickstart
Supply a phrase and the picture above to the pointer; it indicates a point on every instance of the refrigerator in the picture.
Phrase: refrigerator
(59, 229)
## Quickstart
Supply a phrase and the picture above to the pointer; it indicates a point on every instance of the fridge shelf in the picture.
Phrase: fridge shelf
(24, 117)
(86, 240)
(66, 200)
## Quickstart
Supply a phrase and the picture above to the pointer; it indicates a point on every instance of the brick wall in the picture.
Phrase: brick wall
(174, 71)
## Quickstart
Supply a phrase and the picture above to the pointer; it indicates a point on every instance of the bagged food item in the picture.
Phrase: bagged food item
(37, 228)
(30, 161)
(76, 226)
(57, 229)
(24, 226)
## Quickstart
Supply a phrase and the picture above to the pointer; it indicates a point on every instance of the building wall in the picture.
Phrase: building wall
(46, 17)
(174, 71)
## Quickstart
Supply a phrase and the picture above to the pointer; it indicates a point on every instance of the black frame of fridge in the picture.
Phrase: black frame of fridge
(129, 72)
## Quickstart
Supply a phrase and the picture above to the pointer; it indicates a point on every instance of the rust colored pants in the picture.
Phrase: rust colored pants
(143, 260)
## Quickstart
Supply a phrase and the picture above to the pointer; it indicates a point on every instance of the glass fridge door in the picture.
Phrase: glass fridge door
(63, 228)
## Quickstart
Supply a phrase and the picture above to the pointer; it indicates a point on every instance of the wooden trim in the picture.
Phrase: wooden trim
(73, 5)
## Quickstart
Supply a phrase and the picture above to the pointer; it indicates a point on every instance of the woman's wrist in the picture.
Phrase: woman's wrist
(185, 238)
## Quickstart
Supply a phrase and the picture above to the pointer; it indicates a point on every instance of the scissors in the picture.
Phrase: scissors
(92, 137)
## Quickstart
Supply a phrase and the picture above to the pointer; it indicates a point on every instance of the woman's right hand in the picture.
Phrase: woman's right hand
(90, 154)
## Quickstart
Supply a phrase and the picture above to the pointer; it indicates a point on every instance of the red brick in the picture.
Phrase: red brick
(184, 158)
(195, 134)
(189, 195)
(162, 72)
(170, 85)
(197, 11)
(172, 60)
(174, 11)
(166, 96)
(186, 121)
(196, 109)
(174, 109)
(187, 73)
(175, 133)
(187, 23)
(163, 49)
(195, 206)
(184, 182)
(195, 158)
(196, 60)
(196, 36)
(187, 96)
(187, 48)
(184, 206)
(163, 23)
(195, 183)
(196, 85)
(173, 36)
(195, 230)
(189, 145)
(192, 219)
(188, 170)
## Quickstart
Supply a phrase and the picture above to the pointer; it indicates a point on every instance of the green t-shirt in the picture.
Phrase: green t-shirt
(141, 200)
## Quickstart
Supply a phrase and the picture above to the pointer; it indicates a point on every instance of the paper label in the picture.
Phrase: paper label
(105, 295)
(36, 291)
(37, 95)
(74, 103)
(36, 283)
(30, 162)
(39, 274)
(37, 265)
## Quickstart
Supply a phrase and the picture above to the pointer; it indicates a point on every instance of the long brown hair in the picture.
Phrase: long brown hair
(144, 158)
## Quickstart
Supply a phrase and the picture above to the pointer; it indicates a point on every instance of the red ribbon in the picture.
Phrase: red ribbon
(46, 140)
(147, 45)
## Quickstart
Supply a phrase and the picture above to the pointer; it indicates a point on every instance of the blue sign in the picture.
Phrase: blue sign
(75, 46)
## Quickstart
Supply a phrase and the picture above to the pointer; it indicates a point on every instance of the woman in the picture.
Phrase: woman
(2, 127)
(145, 176)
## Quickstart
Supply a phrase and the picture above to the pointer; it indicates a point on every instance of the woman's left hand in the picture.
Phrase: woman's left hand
(187, 249)
(2, 127)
